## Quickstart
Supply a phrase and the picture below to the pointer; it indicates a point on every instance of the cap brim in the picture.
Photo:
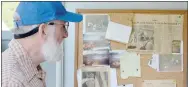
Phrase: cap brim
(71, 17)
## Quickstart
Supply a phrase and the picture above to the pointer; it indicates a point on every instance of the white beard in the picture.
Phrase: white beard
(51, 50)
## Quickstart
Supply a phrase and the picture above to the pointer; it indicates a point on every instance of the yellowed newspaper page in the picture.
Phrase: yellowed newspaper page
(156, 33)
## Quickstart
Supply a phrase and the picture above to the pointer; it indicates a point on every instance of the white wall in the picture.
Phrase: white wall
(6, 38)
(72, 6)
(50, 69)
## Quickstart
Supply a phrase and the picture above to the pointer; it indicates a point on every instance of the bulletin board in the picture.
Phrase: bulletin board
(147, 73)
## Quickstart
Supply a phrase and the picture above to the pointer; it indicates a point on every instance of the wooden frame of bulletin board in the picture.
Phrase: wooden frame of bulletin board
(147, 73)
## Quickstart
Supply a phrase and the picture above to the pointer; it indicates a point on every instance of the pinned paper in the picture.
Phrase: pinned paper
(113, 77)
(114, 58)
(130, 65)
(95, 77)
(79, 77)
(118, 32)
(153, 62)
(94, 23)
(159, 83)
(127, 85)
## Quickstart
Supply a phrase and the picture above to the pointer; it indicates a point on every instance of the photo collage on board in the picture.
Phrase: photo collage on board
(96, 49)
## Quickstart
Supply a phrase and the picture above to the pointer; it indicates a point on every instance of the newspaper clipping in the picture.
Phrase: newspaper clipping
(156, 33)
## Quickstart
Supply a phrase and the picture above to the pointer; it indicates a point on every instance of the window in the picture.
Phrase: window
(8, 9)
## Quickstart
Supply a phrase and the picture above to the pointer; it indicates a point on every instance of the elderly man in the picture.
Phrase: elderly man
(40, 28)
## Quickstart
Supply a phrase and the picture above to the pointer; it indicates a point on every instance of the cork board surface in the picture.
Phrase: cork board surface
(147, 73)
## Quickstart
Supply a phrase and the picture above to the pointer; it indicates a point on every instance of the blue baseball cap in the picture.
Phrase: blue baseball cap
(37, 12)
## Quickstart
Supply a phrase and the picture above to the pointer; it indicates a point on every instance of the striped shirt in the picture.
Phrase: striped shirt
(18, 69)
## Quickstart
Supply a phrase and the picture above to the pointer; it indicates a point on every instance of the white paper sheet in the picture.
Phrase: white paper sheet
(130, 65)
(159, 83)
(153, 62)
(127, 85)
(118, 32)
(113, 77)
(79, 77)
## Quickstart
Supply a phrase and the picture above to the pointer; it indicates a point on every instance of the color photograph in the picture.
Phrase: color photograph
(114, 59)
(94, 58)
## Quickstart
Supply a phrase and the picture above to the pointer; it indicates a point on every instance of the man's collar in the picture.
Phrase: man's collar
(22, 57)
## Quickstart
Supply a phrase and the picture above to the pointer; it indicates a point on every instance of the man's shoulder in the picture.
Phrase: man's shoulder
(12, 83)
(8, 61)
(7, 54)
(12, 75)
(10, 67)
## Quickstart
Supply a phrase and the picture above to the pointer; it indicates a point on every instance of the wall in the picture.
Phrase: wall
(72, 6)
(6, 37)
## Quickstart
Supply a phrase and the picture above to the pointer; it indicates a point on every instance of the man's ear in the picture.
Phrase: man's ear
(43, 31)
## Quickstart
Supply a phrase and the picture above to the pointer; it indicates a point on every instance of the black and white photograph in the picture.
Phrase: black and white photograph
(176, 46)
(170, 63)
(94, 58)
(141, 39)
(132, 41)
(145, 39)
(88, 79)
(95, 78)
(95, 23)
(114, 59)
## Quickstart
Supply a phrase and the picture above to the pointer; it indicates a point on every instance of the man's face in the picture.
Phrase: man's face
(52, 47)
(61, 31)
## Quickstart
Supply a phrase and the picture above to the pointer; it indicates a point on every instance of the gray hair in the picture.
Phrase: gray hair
(21, 29)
